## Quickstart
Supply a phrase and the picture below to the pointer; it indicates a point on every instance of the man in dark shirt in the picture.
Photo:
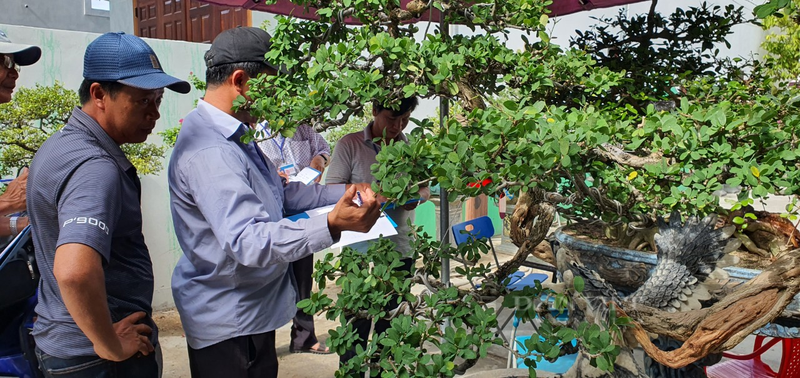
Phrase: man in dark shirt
(84, 199)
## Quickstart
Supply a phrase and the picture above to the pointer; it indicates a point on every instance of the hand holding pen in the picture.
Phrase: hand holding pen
(348, 215)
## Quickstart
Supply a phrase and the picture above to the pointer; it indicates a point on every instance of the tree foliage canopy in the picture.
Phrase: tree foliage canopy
(623, 125)
(36, 113)
(542, 113)
(783, 45)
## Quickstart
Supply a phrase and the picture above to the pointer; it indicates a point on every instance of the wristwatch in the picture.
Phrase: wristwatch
(324, 159)
(12, 225)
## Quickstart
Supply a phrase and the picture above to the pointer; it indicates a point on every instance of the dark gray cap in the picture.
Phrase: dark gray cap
(239, 45)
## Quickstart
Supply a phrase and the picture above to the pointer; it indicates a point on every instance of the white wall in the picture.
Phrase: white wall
(745, 40)
(67, 15)
(62, 60)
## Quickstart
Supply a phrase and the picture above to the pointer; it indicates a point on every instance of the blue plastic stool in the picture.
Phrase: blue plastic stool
(526, 281)
(560, 366)
(561, 316)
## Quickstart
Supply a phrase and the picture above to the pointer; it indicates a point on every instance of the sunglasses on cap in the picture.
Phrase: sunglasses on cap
(8, 62)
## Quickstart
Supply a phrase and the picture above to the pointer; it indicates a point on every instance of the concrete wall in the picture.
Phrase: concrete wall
(62, 60)
(121, 16)
(71, 15)
(54, 14)
(745, 40)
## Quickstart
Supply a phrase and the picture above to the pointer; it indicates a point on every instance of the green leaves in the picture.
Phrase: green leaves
(35, 113)
(768, 9)
(653, 128)
(578, 283)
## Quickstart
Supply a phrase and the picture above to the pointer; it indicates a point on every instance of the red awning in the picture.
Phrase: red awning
(286, 7)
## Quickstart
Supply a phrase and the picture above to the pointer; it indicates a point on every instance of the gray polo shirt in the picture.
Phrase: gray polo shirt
(351, 162)
(82, 189)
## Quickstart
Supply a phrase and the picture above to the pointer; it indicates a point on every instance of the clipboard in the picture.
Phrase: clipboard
(384, 226)
(394, 205)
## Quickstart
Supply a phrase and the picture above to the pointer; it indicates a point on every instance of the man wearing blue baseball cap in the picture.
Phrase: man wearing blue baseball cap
(84, 200)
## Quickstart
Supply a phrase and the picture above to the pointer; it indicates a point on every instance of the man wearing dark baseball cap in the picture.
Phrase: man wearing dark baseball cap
(241, 45)
(84, 199)
(13, 56)
(232, 287)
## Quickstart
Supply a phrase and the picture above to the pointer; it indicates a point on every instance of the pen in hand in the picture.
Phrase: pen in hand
(357, 199)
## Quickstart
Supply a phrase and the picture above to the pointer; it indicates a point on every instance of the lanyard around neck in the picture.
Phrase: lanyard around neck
(280, 146)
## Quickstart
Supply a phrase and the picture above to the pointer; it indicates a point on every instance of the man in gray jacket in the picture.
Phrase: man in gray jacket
(232, 286)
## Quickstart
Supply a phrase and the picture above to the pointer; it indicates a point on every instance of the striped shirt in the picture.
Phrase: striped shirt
(299, 149)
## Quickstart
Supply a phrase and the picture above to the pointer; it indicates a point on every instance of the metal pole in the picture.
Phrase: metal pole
(444, 213)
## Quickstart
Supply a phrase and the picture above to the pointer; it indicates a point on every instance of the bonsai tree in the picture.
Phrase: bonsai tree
(543, 120)
(35, 113)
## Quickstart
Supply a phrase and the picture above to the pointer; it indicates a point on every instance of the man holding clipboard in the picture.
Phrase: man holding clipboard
(232, 287)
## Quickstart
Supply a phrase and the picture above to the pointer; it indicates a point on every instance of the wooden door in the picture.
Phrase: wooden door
(145, 14)
(185, 20)
(201, 22)
(230, 18)
(173, 20)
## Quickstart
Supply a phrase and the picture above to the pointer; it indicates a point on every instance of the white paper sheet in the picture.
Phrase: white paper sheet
(306, 176)
(383, 227)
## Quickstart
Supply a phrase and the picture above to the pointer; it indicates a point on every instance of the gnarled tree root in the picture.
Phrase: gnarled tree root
(750, 245)
(529, 225)
(723, 325)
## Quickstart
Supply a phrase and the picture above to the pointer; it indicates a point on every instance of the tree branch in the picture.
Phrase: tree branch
(20, 145)
(618, 155)
(725, 324)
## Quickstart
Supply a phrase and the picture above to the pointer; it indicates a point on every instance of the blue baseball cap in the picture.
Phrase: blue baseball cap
(128, 60)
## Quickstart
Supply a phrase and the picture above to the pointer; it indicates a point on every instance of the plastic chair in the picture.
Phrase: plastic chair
(559, 366)
(482, 228)
(750, 365)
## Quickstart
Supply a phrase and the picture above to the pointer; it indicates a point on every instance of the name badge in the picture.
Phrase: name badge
(289, 169)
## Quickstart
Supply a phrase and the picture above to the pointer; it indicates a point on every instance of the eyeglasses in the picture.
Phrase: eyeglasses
(8, 63)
